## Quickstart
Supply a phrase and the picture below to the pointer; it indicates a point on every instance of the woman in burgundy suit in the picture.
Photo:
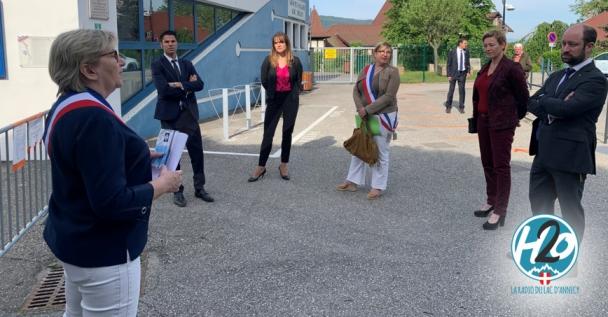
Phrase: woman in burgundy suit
(500, 96)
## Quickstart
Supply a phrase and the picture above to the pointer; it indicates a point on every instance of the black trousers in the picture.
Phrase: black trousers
(548, 184)
(188, 124)
(461, 79)
(282, 104)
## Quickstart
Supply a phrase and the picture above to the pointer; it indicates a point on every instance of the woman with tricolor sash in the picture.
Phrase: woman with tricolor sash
(375, 96)
(99, 209)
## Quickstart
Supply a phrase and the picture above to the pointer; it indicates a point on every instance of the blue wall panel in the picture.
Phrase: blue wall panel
(222, 68)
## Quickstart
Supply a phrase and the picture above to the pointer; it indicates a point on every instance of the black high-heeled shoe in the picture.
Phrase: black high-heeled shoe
(483, 213)
(494, 226)
(285, 177)
(256, 178)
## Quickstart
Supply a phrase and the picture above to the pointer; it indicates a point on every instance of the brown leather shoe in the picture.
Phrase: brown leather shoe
(374, 194)
(347, 187)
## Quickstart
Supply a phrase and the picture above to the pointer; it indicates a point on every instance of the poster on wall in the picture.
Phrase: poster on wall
(99, 9)
(297, 9)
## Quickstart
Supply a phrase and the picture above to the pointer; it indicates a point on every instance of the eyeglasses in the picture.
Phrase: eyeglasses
(113, 53)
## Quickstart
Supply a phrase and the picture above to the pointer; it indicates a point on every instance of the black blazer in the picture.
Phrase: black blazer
(101, 199)
(452, 67)
(507, 94)
(167, 104)
(568, 143)
(269, 77)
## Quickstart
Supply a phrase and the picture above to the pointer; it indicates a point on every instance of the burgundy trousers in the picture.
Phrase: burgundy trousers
(495, 149)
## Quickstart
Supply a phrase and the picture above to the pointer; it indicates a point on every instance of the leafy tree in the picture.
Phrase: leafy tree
(588, 8)
(424, 21)
(538, 43)
(437, 22)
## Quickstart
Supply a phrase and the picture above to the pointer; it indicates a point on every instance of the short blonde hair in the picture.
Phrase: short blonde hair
(499, 35)
(72, 49)
(381, 45)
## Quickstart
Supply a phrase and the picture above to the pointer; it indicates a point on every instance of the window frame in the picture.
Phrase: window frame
(3, 70)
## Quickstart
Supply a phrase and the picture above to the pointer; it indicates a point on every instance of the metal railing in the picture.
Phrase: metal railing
(236, 100)
(25, 179)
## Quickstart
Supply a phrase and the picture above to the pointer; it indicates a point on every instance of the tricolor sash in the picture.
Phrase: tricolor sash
(370, 97)
(74, 102)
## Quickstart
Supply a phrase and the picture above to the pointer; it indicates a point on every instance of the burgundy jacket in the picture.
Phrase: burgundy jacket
(507, 94)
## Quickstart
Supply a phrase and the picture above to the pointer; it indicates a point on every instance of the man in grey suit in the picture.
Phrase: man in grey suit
(563, 135)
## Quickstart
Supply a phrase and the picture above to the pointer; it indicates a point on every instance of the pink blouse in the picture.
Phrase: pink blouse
(283, 83)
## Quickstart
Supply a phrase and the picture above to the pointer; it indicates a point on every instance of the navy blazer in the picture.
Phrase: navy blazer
(568, 143)
(101, 198)
(269, 77)
(167, 104)
(507, 94)
(452, 65)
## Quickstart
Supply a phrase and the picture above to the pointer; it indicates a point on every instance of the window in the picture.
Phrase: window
(131, 73)
(138, 34)
(2, 57)
(204, 21)
(156, 19)
(183, 21)
(127, 12)
(222, 17)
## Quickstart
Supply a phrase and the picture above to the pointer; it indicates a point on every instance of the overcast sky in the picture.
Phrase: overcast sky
(527, 13)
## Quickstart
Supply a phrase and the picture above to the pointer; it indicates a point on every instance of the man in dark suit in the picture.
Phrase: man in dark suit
(176, 81)
(563, 135)
(458, 69)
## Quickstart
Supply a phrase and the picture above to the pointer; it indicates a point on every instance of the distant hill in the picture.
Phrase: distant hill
(328, 21)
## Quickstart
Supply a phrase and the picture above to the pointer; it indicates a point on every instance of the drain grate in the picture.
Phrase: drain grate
(50, 292)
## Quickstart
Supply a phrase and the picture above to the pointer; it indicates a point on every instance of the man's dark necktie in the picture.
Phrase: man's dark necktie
(569, 72)
(176, 68)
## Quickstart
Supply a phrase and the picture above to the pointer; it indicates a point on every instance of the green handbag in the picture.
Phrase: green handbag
(373, 123)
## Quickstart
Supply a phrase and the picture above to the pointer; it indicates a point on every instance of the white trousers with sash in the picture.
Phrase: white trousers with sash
(358, 170)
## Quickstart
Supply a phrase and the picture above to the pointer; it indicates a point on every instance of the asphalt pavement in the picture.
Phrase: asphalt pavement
(301, 248)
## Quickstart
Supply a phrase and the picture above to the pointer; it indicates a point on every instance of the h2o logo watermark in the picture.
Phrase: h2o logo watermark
(544, 248)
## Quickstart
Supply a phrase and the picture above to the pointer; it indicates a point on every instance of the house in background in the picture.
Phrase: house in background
(346, 35)
(599, 23)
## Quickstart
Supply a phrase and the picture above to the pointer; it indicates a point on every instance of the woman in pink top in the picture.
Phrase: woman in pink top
(281, 77)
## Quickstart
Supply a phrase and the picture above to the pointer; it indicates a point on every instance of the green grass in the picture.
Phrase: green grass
(412, 77)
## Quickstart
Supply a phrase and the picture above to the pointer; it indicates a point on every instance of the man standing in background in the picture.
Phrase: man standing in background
(458, 69)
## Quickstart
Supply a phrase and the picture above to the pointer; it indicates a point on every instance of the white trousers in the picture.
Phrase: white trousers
(102, 291)
(358, 169)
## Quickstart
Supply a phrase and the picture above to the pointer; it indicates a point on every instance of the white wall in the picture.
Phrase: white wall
(27, 91)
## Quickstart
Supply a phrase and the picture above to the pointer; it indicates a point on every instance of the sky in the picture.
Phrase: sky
(527, 14)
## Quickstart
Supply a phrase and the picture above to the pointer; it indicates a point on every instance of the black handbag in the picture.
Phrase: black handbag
(472, 125)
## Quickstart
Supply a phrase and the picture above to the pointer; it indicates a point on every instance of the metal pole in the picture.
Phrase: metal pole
(248, 105)
(263, 103)
(606, 127)
(225, 113)
(504, 4)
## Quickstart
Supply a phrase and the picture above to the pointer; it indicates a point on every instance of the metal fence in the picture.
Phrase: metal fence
(25, 179)
(341, 64)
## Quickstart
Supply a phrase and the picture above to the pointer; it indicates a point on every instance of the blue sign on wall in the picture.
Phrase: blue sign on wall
(2, 57)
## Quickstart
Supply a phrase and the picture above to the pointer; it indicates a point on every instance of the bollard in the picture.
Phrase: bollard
(225, 112)
(263, 102)
(248, 105)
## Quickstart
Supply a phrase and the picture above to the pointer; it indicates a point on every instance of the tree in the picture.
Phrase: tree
(436, 22)
(538, 44)
(589, 8)
(424, 21)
